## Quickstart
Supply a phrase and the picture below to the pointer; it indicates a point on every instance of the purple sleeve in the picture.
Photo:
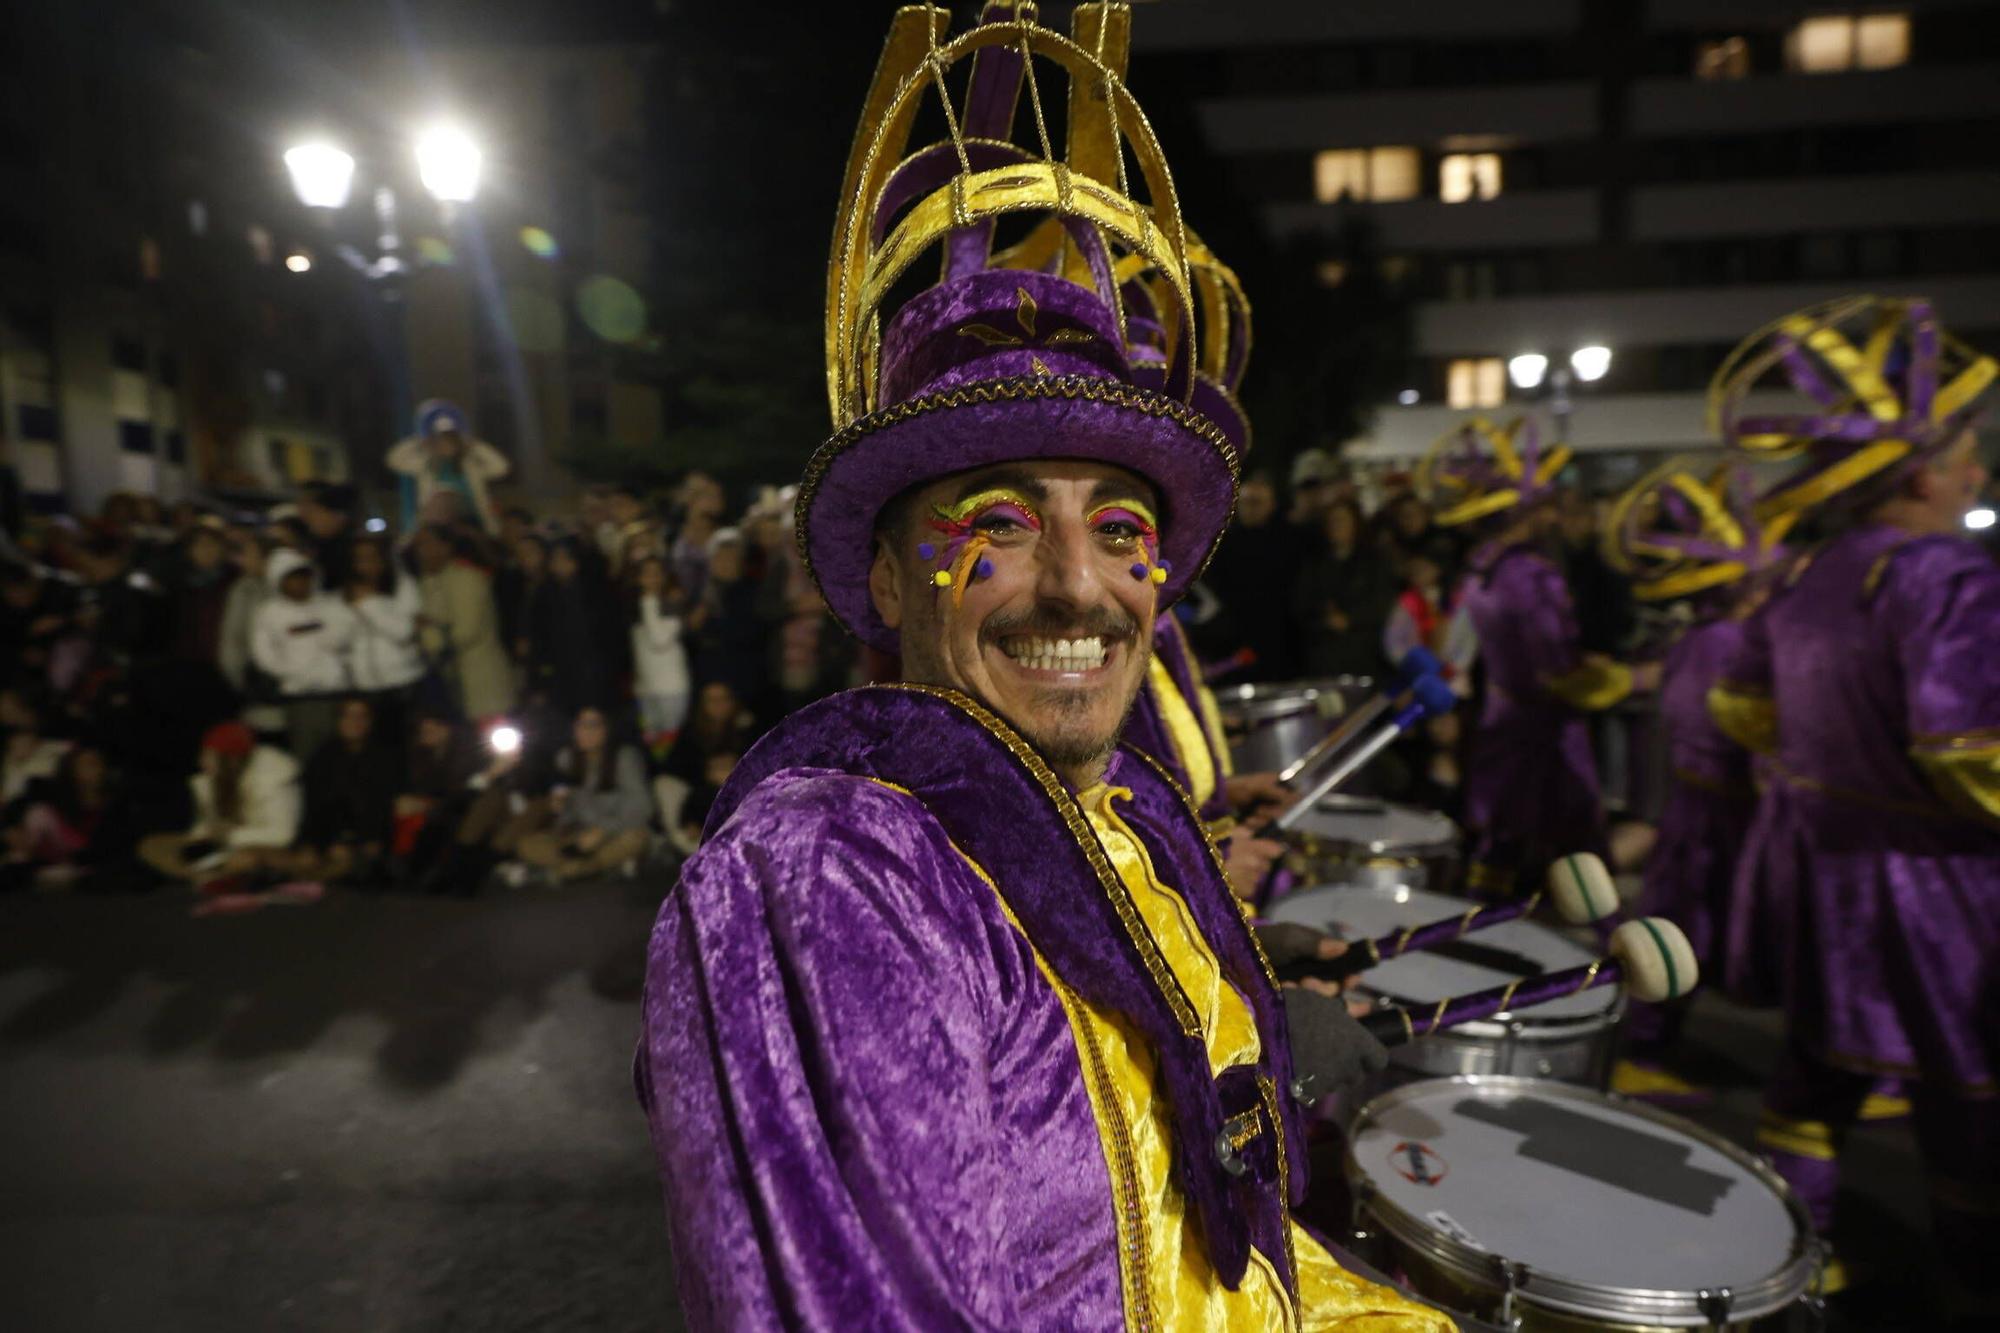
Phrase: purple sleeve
(1947, 595)
(815, 1069)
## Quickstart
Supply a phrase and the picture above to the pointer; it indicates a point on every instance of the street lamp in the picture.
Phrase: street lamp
(1585, 365)
(321, 174)
(1527, 369)
(448, 163)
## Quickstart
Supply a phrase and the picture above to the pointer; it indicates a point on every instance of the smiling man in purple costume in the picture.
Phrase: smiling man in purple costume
(952, 1021)
(1531, 787)
(1872, 683)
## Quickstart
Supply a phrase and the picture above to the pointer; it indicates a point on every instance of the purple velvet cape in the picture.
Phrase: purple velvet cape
(1875, 904)
(1531, 788)
(865, 1099)
(1146, 731)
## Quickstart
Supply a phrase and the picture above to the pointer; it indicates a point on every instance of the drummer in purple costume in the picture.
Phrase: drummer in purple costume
(1531, 787)
(1694, 541)
(952, 1021)
(1871, 681)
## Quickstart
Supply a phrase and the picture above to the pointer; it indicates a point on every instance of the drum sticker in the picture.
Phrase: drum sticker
(1418, 1163)
(1450, 1226)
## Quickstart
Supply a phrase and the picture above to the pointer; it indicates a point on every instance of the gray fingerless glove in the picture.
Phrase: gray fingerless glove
(1330, 1051)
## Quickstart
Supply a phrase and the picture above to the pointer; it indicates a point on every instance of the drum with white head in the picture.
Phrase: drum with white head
(1355, 840)
(1269, 726)
(1571, 1039)
(1567, 1209)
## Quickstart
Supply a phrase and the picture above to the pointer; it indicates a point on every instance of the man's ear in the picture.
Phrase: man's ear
(885, 587)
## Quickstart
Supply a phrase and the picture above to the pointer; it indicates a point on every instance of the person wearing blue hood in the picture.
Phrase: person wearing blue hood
(444, 455)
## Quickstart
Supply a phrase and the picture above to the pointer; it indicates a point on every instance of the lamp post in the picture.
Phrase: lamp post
(448, 163)
(1586, 365)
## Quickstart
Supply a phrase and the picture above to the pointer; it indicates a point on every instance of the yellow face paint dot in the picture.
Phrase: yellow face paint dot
(1158, 575)
(942, 578)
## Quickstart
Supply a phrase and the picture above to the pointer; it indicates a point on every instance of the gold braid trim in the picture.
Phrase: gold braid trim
(1270, 1095)
(1079, 829)
(1214, 855)
(1022, 389)
(1966, 777)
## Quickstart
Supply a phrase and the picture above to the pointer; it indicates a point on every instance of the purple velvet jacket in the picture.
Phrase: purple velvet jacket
(1874, 891)
(866, 1102)
(1146, 730)
(1531, 788)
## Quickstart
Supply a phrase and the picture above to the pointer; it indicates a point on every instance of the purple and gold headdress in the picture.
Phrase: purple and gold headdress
(1676, 533)
(1015, 354)
(1885, 389)
(1222, 328)
(1477, 469)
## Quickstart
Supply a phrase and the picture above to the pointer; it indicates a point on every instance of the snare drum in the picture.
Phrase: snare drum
(1354, 840)
(1271, 725)
(1569, 1209)
(1571, 1038)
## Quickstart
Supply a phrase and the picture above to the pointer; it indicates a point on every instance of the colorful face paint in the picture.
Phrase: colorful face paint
(1139, 530)
(967, 527)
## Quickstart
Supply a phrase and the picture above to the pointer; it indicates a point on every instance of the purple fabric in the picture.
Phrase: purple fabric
(1705, 823)
(1531, 788)
(1146, 731)
(861, 1090)
(1884, 900)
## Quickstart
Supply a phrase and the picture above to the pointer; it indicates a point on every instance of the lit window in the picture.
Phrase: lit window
(1726, 59)
(1463, 176)
(1882, 41)
(1476, 382)
(1830, 44)
(1375, 174)
(1332, 272)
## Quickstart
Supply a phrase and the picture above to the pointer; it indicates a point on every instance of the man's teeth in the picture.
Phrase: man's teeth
(1056, 654)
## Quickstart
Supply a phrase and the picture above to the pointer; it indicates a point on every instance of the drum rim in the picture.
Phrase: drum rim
(1568, 1295)
(1448, 846)
(1260, 702)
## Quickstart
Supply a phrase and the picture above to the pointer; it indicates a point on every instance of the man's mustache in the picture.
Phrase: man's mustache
(1049, 622)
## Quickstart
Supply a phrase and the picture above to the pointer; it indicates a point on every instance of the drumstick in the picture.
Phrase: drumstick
(1579, 886)
(1416, 663)
(1429, 697)
(1649, 955)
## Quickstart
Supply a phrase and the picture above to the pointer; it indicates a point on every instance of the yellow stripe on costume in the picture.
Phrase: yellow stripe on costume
(1801, 1138)
(1184, 730)
(1591, 686)
(1746, 716)
(1966, 775)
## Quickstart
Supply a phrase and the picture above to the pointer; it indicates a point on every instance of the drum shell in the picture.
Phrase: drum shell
(1430, 861)
(1445, 1271)
(1271, 725)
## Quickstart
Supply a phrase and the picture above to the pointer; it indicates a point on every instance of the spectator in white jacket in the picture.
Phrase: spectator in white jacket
(660, 682)
(385, 659)
(443, 455)
(301, 638)
(247, 803)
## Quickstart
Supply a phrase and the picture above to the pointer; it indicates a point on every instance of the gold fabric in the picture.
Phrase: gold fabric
(1965, 771)
(1211, 721)
(1813, 1139)
(1746, 716)
(1591, 686)
(1184, 729)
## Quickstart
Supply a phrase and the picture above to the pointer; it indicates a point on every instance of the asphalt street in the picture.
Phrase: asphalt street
(395, 1113)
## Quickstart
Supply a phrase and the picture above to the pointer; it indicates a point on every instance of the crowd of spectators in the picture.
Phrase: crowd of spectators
(477, 694)
(263, 705)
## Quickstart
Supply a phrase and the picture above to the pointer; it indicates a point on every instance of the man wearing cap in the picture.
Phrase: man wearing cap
(443, 455)
(952, 1021)
(1870, 683)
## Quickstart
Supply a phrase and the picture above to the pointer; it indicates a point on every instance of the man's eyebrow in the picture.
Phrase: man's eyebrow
(1012, 479)
(1122, 488)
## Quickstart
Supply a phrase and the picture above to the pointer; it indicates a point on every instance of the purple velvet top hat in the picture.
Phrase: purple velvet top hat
(1015, 354)
(1477, 469)
(1860, 390)
(1677, 534)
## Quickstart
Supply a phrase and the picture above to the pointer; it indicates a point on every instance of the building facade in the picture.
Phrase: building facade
(1658, 178)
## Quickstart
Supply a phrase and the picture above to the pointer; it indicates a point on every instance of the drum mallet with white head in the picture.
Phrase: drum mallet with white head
(1416, 664)
(1649, 956)
(1579, 886)
(1429, 697)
